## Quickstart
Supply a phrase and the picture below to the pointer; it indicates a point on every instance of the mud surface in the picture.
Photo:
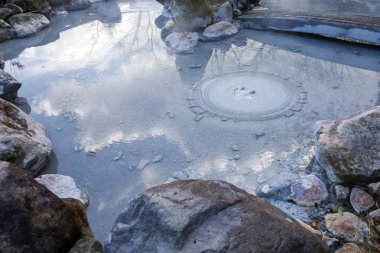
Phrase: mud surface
(114, 102)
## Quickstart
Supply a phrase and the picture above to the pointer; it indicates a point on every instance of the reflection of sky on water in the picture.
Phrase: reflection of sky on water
(114, 88)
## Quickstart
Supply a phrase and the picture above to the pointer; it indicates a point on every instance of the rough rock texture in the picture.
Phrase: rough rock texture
(27, 24)
(87, 245)
(6, 31)
(346, 226)
(304, 190)
(2, 62)
(349, 149)
(23, 142)
(224, 13)
(182, 42)
(5, 13)
(341, 192)
(191, 15)
(8, 85)
(360, 200)
(218, 31)
(374, 188)
(33, 219)
(64, 187)
(350, 248)
(375, 215)
(206, 216)
(14, 8)
(75, 5)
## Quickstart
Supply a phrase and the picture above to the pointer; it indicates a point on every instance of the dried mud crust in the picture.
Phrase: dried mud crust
(200, 105)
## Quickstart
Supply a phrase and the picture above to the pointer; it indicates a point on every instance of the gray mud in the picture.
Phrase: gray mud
(114, 102)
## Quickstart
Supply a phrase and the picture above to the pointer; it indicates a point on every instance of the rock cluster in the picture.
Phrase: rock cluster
(212, 20)
(19, 18)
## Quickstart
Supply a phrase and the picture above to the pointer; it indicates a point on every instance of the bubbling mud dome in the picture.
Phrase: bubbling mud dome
(246, 96)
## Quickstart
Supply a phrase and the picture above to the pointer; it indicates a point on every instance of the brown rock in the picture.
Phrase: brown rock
(346, 226)
(207, 216)
(33, 219)
(349, 149)
(350, 248)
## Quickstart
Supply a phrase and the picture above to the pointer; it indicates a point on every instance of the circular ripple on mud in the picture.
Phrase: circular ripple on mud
(246, 96)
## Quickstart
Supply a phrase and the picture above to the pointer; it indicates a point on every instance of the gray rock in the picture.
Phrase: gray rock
(8, 85)
(5, 13)
(206, 216)
(64, 187)
(182, 42)
(341, 192)
(87, 245)
(308, 191)
(350, 248)
(374, 188)
(168, 29)
(349, 149)
(76, 5)
(191, 15)
(375, 215)
(224, 13)
(14, 8)
(304, 190)
(2, 62)
(6, 31)
(33, 219)
(28, 24)
(346, 226)
(219, 31)
(23, 142)
(360, 200)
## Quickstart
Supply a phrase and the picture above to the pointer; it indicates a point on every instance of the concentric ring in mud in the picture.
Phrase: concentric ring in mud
(246, 96)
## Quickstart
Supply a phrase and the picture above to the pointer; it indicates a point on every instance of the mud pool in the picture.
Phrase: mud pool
(118, 104)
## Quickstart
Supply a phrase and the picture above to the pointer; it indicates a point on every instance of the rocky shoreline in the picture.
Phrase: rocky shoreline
(333, 207)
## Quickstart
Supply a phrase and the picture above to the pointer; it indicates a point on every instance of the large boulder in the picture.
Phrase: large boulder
(191, 15)
(8, 85)
(28, 24)
(207, 216)
(6, 31)
(23, 142)
(33, 219)
(349, 149)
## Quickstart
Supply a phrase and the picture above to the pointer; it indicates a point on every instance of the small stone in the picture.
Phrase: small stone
(349, 248)
(374, 188)
(341, 192)
(303, 190)
(91, 153)
(182, 42)
(143, 164)
(346, 226)
(157, 158)
(8, 86)
(64, 187)
(360, 200)
(219, 31)
(236, 157)
(308, 191)
(235, 147)
(58, 129)
(331, 242)
(375, 215)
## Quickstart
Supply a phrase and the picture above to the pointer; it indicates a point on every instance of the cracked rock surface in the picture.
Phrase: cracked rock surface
(206, 216)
